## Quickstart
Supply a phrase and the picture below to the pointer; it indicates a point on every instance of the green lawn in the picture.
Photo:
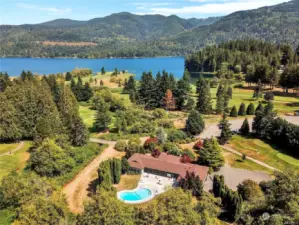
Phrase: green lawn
(4, 148)
(15, 161)
(264, 152)
(236, 161)
(281, 104)
(87, 115)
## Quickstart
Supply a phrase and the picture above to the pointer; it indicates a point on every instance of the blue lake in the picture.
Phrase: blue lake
(14, 66)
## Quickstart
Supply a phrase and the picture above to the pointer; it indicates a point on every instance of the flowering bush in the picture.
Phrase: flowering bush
(151, 143)
(156, 153)
(198, 145)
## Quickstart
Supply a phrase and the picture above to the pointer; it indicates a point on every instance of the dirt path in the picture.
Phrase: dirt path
(76, 191)
(248, 158)
(13, 151)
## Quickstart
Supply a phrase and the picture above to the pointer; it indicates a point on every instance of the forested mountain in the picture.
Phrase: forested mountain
(279, 23)
(119, 25)
(128, 35)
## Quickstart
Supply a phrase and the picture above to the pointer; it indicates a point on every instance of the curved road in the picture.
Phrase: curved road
(76, 191)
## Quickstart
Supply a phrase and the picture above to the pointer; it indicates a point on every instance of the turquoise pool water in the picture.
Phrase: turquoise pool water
(137, 195)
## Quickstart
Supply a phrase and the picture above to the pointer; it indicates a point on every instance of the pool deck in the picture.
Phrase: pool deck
(156, 184)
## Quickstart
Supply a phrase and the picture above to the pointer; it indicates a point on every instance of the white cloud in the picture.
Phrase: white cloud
(216, 7)
(48, 9)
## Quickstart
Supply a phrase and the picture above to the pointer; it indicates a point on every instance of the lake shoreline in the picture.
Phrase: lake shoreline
(149, 57)
(41, 66)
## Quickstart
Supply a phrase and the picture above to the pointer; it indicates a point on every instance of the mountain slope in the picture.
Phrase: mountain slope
(124, 25)
(279, 23)
(129, 35)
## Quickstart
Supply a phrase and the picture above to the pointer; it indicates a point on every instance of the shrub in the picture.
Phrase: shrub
(172, 149)
(151, 143)
(161, 135)
(166, 124)
(249, 190)
(198, 145)
(189, 153)
(242, 110)
(121, 145)
(176, 135)
(250, 109)
(195, 123)
(233, 112)
(159, 113)
(269, 96)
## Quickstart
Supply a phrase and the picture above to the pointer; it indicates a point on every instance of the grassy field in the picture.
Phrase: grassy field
(264, 152)
(281, 103)
(4, 148)
(236, 161)
(87, 115)
(107, 78)
(15, 161)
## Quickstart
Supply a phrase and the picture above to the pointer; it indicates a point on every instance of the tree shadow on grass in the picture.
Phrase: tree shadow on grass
(92, 187)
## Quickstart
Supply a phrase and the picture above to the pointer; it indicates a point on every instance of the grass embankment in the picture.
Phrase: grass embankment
(264, 152)
(236, 161)
(14, 162)
(128, 182)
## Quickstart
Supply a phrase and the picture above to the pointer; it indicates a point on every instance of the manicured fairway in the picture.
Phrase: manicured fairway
(264, 152)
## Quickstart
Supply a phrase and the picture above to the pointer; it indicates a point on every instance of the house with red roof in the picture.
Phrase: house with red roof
(166, 165)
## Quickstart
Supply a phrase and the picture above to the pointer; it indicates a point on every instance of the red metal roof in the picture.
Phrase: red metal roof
(167, 163)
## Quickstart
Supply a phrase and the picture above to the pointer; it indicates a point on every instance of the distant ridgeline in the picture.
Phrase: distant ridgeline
(128, 35)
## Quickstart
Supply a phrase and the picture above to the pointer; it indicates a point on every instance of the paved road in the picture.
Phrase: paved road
(14, 150)
(213, 129)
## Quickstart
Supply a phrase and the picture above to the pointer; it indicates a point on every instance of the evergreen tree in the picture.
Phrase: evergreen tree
(226, 133)
(9, 130)
(233, 112)
(161, 135)
(103, 71)
(220, 99)
(204, 102)
(245, 129)
(147, 93)
(242, 110)
(258, 91)
(193, 183)
(210, 154)
(195, 123)
(129, 85)
(259, 108)
(250, 109)
(103, 117)
(190, 104)
(68, 76)
(79, 133)
(104, 175)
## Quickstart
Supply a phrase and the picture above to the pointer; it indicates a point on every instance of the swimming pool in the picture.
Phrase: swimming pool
(136, 196)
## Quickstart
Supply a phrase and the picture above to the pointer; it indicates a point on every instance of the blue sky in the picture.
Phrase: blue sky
(36, 11)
